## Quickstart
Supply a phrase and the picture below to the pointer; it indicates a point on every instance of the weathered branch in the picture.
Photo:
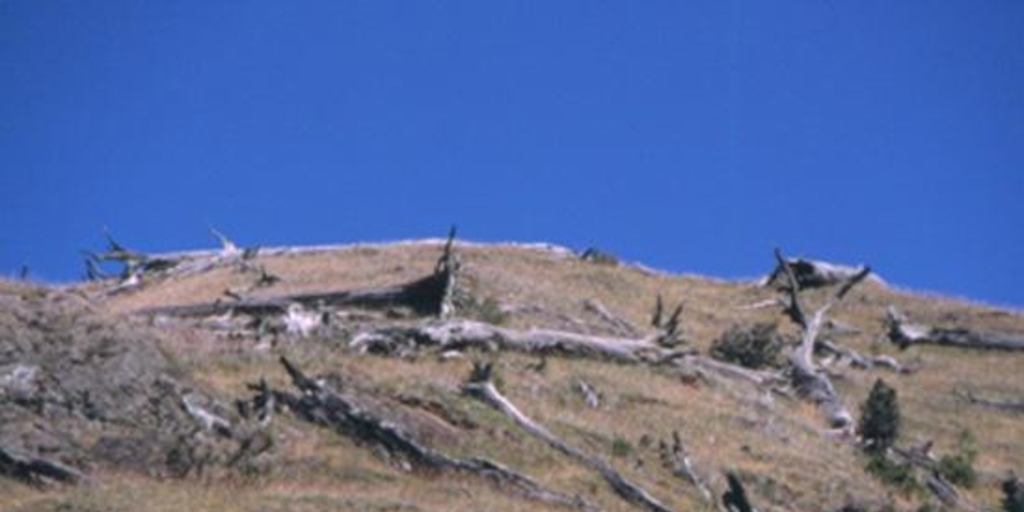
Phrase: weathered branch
(904, 334)
(344, 413)
(481, 387)
(621, 327)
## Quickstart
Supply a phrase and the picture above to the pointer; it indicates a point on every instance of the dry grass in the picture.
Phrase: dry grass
(776, 444)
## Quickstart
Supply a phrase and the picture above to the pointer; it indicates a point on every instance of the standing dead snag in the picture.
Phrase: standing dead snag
(669, 335)
(678, 461)
(904, 334)
(480, 386)
(808, 379)
(447, 273)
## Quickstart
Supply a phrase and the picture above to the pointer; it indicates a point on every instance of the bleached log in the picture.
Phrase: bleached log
(343, 413)
(808, 379)
(1002, 405)
(904, 334)
(481, 387)
(461, 334)
(865, 362)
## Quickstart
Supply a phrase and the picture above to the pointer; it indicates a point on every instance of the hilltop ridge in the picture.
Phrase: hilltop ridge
(396, 333)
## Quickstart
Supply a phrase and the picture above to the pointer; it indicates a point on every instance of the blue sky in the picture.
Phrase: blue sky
(692, 136)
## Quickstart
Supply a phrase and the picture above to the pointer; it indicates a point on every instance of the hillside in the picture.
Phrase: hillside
(152, 400)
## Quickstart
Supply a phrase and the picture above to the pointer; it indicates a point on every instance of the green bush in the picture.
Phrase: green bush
(621, 447)
(900, 476)
(958, 468)
(595, 255)
(880, 418)
(756, 346)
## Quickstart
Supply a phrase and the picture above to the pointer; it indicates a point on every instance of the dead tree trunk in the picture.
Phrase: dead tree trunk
(480, 386)
(866, 362)
(807, 378)
(320, 404)
(432, 295)
(904, 334)
(461, 334)
(1000, 405)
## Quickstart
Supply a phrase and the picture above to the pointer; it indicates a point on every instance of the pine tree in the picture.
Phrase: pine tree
(880, 418)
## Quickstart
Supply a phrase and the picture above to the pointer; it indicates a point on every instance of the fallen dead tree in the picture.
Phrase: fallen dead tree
(904, 334)
(135, 265)
(807, 378)
(445, 336)
(1001, 405)
(464, 334)
(481, 387)
(346, 413)
(938, 485)
(432, 295)
(862, 361)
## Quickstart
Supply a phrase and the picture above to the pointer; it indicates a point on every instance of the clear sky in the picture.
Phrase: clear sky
(692, 136)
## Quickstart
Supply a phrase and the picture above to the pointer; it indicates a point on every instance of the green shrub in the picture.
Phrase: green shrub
(900, 476)
(595, 255)
(958, 468)
(621, 447)
(880, 418)
(756, 346)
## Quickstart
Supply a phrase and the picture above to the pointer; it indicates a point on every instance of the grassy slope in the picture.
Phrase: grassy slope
(777, 445)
